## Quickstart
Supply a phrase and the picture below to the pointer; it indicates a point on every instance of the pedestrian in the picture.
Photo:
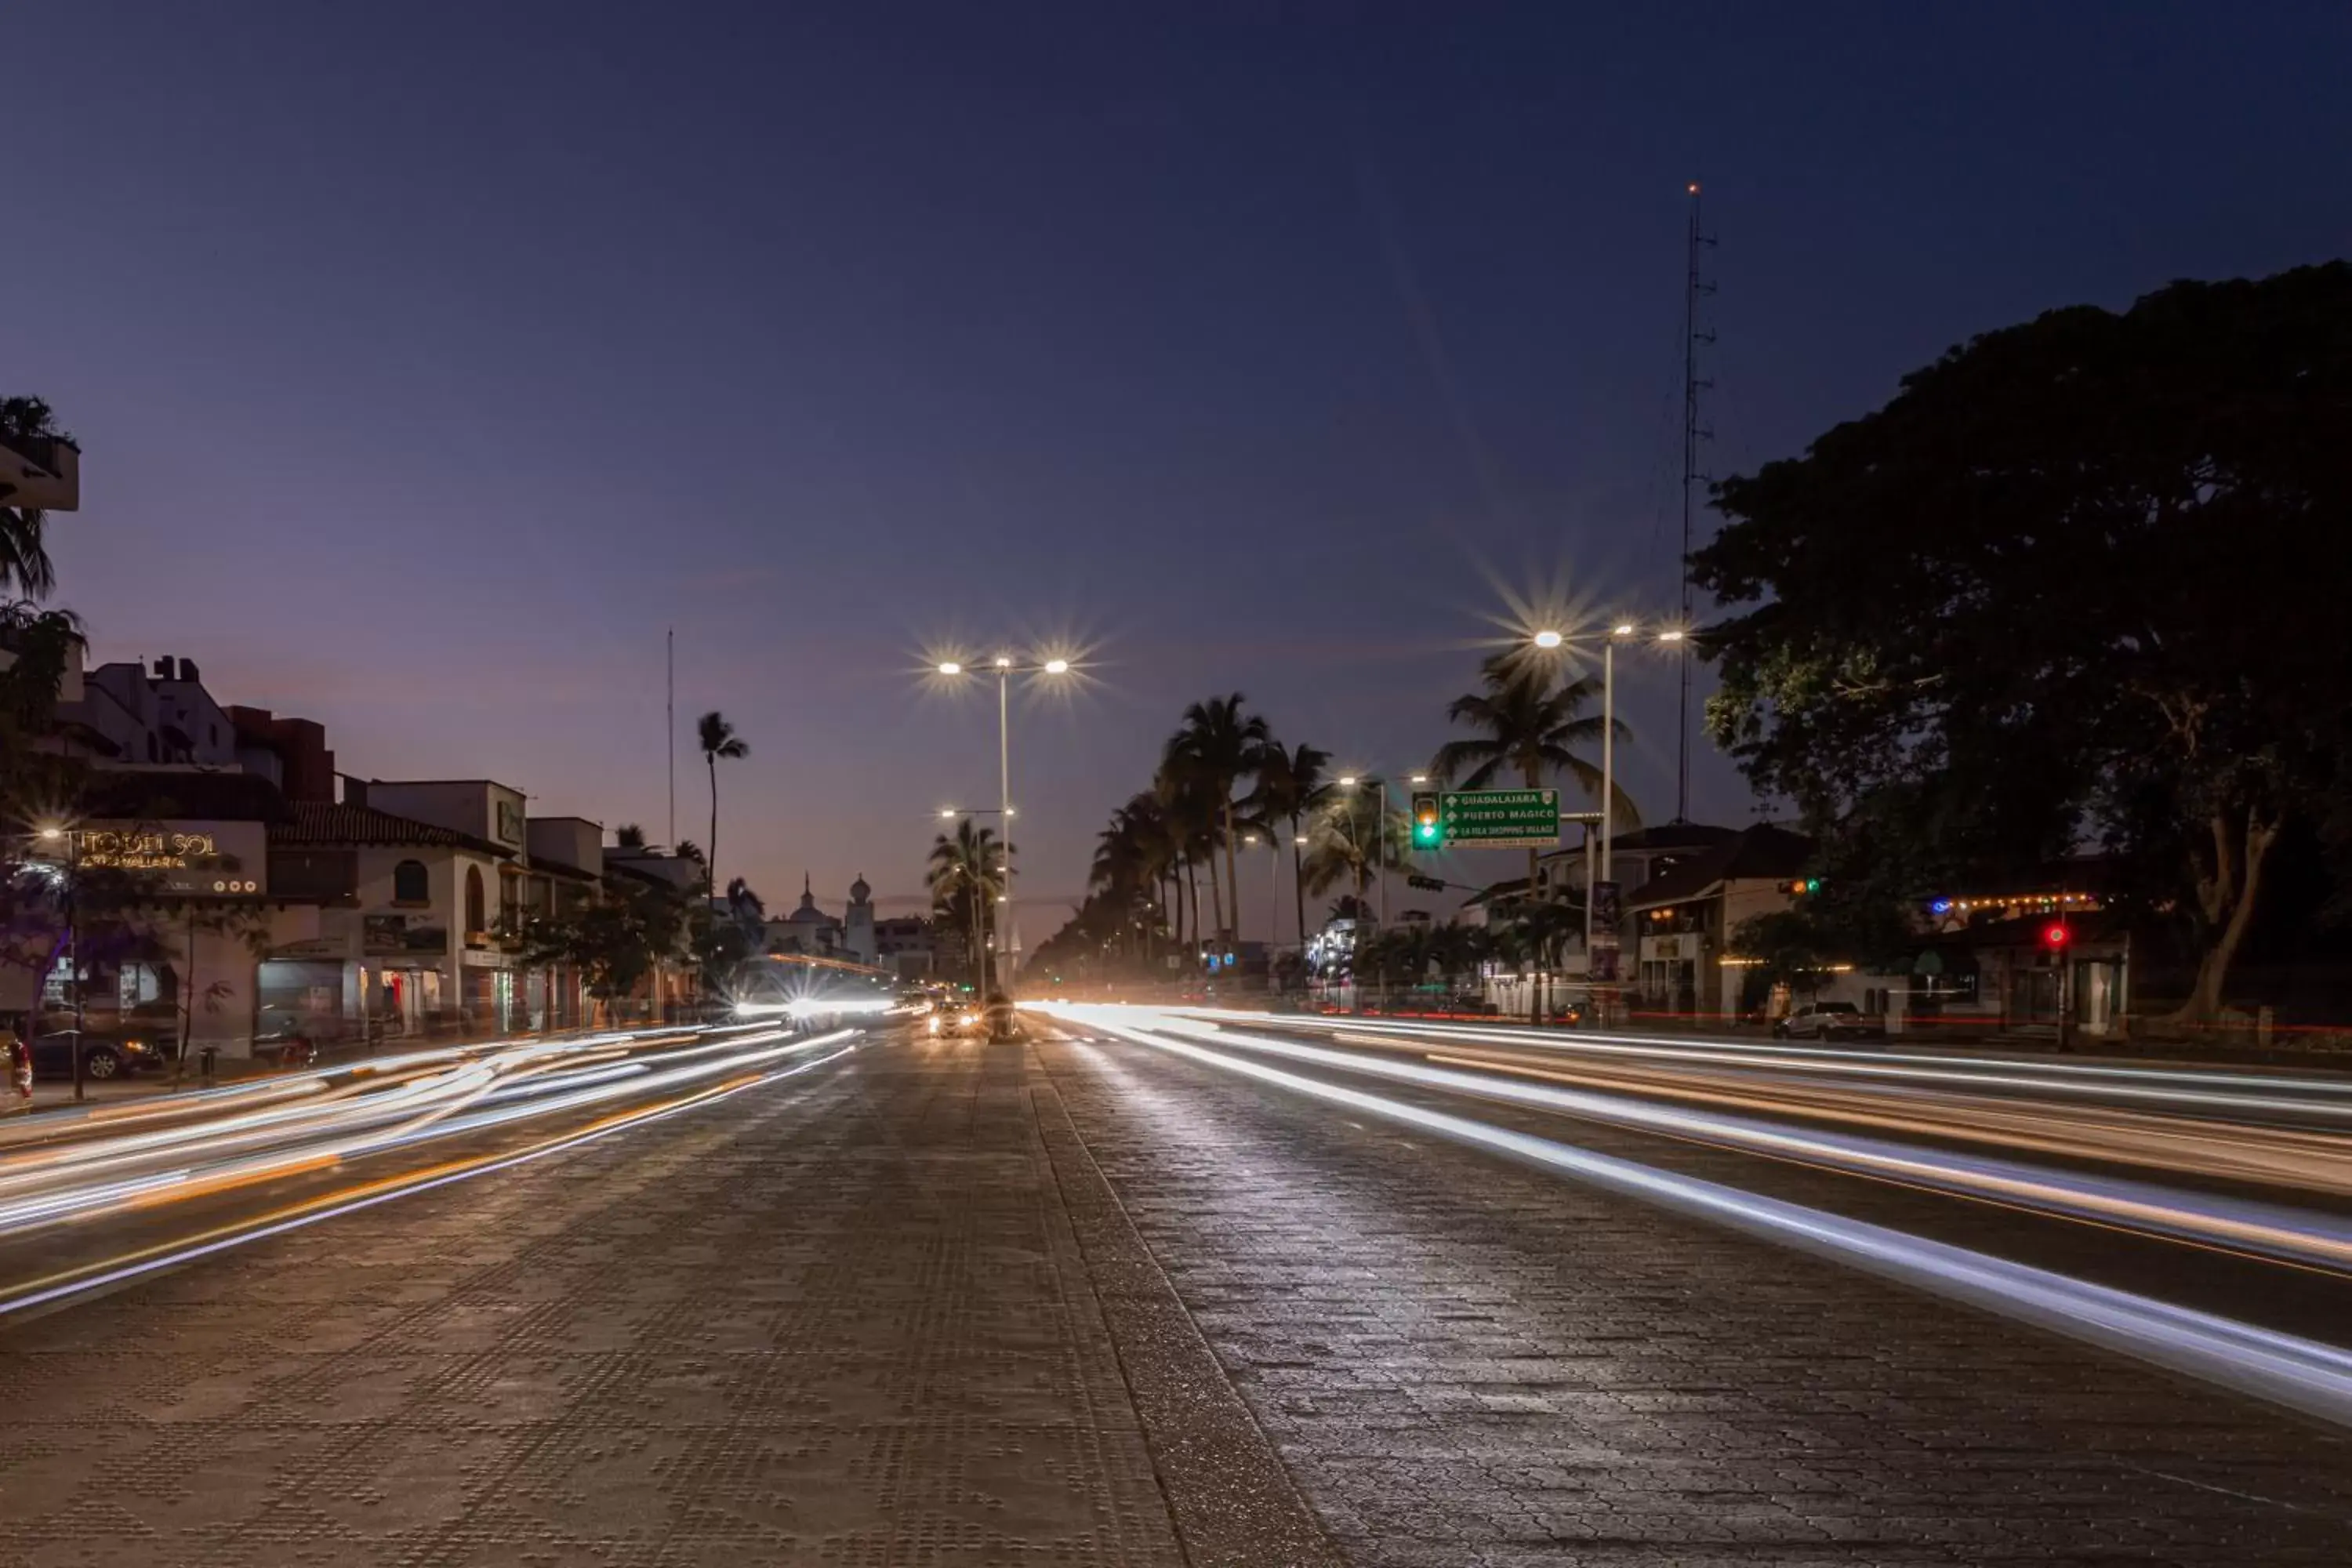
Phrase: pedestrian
(20, 1069)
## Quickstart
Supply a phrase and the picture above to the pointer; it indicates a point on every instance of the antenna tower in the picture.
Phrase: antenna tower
(1694, 339)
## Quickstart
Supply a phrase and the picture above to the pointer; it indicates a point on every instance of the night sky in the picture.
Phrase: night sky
(429, 359)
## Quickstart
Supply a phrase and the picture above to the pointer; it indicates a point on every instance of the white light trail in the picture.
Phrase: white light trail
(2302, 1373)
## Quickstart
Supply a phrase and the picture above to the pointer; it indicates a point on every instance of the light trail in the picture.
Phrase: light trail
(2211, 1090)
(2304, 1373)
(426, 1096)
(2190, 1135)
(2290, 1235)
(131, 1266)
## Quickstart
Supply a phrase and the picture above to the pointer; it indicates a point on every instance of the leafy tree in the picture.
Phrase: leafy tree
(25, 569)
(2064, 588)
(614, 940)
(718, 740)
(628, 835)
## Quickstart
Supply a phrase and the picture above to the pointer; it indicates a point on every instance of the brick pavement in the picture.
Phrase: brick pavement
(1466, 1361)
(918, 1309)
(850, 1321)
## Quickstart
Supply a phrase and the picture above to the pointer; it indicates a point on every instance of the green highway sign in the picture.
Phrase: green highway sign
(1498, 818)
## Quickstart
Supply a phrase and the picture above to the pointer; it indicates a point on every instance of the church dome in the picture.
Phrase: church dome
(858, 890)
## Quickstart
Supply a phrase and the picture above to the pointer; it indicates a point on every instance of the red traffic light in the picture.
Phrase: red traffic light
(2055, 935)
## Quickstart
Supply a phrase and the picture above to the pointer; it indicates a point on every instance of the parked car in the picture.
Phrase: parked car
(105, 1052)
(1830, 1021)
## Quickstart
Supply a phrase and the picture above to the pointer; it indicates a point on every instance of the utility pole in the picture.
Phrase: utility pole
(1693, 287)
(669, 736)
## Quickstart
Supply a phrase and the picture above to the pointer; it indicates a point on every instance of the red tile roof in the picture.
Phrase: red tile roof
(318, 823)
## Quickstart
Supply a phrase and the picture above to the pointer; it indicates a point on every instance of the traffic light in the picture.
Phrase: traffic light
(1426, 832)
(2056, 935)
(1803, 885)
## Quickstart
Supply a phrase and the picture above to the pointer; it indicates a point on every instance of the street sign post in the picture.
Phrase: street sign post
(1498, 818)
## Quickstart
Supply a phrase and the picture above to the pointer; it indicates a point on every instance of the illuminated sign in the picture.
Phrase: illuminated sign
(186, 859)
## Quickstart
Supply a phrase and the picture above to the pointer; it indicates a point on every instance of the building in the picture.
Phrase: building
(1679, 922)
(126, 715)
(807, 930)
(908, 946)
(291, 754)
(174, 865)
(416, 909)
(857, 933)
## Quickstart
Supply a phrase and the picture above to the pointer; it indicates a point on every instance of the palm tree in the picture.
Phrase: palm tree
(967, 867)
(1530, 725)
(1190, 815)
(25, 567)
(1118, 877)
(1218, 745)
(1289, 784)
(1345, 840)
(719, 740)
(628, 835)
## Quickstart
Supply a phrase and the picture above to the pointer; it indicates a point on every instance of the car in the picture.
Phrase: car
(1830, 1021)
(963, 1018)
(105, 1052)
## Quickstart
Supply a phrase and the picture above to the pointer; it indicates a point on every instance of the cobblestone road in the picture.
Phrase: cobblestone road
(1466, 1362)
(845, 1322)
(918, 1309)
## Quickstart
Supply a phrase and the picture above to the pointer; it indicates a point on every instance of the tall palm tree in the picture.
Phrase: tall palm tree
(719, 739)
(967, 868)
(25, 569)
(1530, 725)
(1290, 783)
(1345, 840)
(1191, 813)
(1218, 744)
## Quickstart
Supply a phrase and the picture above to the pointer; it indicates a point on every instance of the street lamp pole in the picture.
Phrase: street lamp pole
(1008, 928)
(73, 940)
(1008, 925)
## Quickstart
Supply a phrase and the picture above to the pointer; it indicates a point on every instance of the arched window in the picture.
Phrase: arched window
(408, 884)
(474, 921)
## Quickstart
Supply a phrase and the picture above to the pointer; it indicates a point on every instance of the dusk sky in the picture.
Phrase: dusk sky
(428, 360)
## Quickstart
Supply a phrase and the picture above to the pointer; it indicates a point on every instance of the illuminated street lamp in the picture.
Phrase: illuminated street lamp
(53, 833)
(1008, 923)
(1272, 897)
(1380, 837)
(1622, 631)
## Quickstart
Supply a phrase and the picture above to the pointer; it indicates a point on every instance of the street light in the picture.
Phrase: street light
(1380, 837)
(51, 833)
(1622, 631)
(1008, 923)
(1273, 897)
